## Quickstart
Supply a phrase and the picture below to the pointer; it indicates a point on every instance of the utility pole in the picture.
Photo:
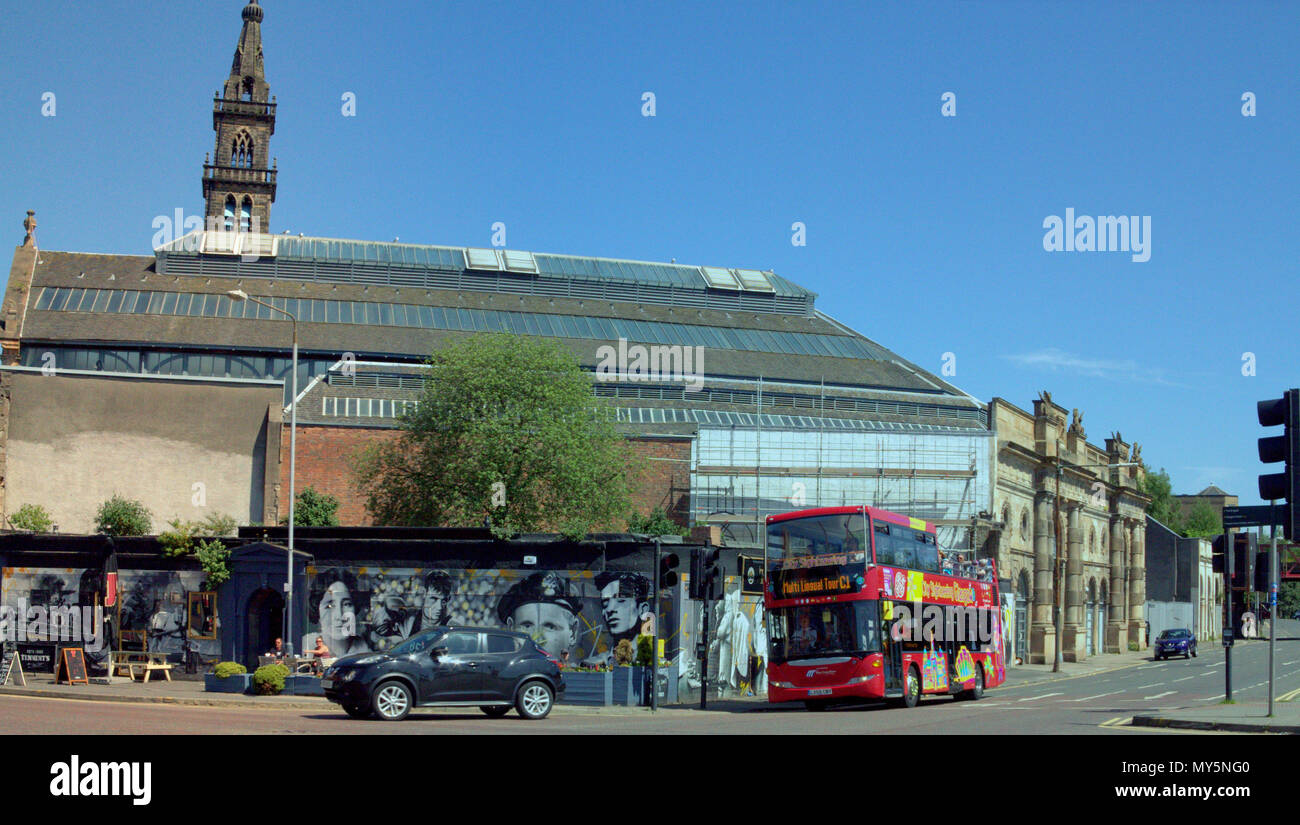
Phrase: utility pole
(1229, 551)
(1272, 607)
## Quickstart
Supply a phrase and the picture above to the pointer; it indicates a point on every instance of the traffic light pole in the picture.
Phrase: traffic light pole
(654, 637)
(704, 654)
(1272, 611)
(1229, 551)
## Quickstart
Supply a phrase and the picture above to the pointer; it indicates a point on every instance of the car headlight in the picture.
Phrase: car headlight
(348, 675)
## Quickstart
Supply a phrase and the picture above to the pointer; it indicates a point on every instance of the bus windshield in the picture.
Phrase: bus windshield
(817, 555)
(842, 629)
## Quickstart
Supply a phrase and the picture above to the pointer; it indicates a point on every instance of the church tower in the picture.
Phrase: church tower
(239, 177)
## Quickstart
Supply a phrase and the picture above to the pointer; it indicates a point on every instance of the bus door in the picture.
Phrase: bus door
(892, 650)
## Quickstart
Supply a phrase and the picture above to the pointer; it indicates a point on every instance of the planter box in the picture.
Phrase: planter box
(300, 685)
(239, 683)
(640, 679)
(595, 688)
(628, 684)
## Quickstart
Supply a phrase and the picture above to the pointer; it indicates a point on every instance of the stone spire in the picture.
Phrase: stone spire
(239, 184)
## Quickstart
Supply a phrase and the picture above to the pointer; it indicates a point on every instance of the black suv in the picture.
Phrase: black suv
(490, 668)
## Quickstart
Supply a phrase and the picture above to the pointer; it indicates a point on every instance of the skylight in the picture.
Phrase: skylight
(719, 277)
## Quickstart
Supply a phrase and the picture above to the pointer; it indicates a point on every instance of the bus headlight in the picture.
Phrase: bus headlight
(782, 684)
(857, 680)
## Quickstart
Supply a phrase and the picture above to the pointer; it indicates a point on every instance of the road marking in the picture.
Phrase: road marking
(1098, 696)
(1153, 684)
(1044, 696)
(1184, 679)
(1158, 695)
(1284, 664)
(1289, 697)
(1117, 722)
(1207, 699)
(1148, 667)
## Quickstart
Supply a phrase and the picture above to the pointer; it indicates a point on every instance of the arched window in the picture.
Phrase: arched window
(241, 151)
(246, 215)
(230, 213)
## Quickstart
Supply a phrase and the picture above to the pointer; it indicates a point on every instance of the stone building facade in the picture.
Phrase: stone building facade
(1102, 525)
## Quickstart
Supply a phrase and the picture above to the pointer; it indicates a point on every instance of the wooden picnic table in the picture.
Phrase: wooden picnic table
(133, 661)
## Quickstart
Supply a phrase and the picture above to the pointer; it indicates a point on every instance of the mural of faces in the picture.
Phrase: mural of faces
(623, 600)
(553, 626)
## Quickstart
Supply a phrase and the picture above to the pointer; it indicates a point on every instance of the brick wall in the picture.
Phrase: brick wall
(662, 470)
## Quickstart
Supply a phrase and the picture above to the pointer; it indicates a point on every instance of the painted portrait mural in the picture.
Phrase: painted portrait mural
(576, 616)
(737, 648)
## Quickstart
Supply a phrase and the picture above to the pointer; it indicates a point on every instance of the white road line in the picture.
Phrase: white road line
(1158, 695)
(1098, 696)
(1284, 664)
(1044, 696)
(1153, 684)
(1208, 698)
(1184, 679)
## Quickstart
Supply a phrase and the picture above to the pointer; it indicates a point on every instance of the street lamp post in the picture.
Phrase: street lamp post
(1058, 571)
(240, 295)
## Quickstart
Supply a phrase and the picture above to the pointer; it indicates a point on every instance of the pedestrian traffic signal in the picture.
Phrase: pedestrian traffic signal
(667, 571)
(1283, 487)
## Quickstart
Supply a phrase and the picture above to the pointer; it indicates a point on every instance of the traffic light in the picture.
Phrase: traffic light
(694, 586)
(1261, 572)
(667, 571)
(1283, 486)
(712, 570)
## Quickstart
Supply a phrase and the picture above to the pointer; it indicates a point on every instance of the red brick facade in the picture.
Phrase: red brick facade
(325, 452)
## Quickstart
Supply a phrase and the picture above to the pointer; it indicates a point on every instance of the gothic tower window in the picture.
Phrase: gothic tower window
(241, 151)
(229, 216)
(246, 215)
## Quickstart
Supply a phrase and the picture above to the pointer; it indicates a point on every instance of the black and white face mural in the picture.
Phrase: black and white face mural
(576, 616)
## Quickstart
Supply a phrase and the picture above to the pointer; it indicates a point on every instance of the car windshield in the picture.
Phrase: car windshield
(416, 644)
(1175, 634)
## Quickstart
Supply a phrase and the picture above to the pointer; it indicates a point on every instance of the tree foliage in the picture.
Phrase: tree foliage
(1202, 520)
(507, 433)
(1164, 508)
(32, 517)
(314, 509)
(656, 524)
(120, 516)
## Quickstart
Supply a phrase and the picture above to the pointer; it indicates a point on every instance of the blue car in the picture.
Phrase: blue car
(1176, 642)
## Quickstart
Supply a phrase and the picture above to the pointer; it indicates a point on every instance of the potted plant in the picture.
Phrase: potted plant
(268, 680)
(227, 677)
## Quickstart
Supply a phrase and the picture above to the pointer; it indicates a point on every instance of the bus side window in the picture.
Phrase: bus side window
(884, 548)
(927, 553)
(905, 549)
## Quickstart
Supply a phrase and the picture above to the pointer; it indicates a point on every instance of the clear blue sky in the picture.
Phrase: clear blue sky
(923, 232)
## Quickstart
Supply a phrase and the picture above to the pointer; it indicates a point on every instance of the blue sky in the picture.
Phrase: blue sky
(923, 232)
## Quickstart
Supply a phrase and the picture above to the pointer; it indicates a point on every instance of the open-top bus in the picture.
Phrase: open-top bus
(862, 603)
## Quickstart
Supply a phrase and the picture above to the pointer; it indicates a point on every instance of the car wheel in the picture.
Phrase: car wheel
(357, 711)
(1193, 653)
(392, 701)
(911, 688)
(1159, 657)
(535, 700)
(495, 711)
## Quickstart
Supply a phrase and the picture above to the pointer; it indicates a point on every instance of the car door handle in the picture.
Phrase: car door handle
(473, 664)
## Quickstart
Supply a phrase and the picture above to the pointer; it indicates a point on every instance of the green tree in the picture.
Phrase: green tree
(1164, 508)
(655, 524)
(1202, 521)
(121, 516)
(31, 517)
(314, 509)
(507, 432)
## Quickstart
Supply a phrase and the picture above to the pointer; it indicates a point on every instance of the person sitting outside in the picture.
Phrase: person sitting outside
(321, 653)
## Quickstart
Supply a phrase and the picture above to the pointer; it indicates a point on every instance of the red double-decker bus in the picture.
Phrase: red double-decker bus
(862, 604)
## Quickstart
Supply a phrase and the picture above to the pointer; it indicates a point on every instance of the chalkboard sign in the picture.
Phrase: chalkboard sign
(72, 666)
(11, 667)
(37, 658)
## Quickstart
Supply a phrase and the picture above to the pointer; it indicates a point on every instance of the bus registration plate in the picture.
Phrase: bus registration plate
(820, 692)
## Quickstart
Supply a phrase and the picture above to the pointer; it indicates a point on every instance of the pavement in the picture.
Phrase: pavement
(1242, 717)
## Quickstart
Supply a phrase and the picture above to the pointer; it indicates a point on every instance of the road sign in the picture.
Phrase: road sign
(1227, 637)
(1256, 516)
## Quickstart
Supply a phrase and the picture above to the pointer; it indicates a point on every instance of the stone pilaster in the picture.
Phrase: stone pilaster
(1042, 635)
(1074, 634)
(1116, 628)
(1136, 582)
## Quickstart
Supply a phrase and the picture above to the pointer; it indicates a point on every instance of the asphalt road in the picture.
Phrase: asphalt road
(1096, 704)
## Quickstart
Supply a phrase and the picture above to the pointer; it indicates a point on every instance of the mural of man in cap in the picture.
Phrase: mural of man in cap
(542, 607)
